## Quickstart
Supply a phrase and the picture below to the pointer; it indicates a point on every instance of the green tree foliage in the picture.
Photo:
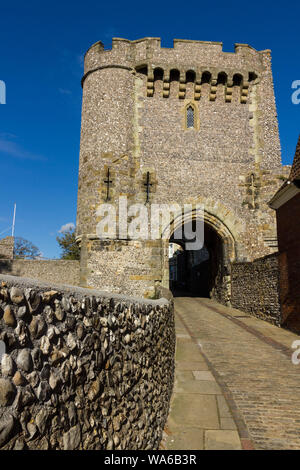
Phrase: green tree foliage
(68, 245)
(24, 249)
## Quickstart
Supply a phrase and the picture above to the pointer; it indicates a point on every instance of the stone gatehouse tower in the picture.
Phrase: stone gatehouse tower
(188, 124)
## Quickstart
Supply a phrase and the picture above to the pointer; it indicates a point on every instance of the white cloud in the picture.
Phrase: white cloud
(64, 91)
(80, 59)
(15, 150)
(66, 227)
(7, 135)
(71, 61)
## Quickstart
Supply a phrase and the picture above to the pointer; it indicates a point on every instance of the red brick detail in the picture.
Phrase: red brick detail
(295, 171)
(247, 444)
(288, 228)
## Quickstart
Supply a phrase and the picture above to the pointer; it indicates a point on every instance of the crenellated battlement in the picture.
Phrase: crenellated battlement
(178, 45)
(185, 55)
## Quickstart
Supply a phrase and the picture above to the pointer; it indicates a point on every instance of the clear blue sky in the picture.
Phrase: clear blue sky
(41, 61)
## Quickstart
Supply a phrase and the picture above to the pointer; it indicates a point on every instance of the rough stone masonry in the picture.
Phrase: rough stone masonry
(83, 369)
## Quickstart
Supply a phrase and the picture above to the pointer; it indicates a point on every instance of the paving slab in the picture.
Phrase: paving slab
(203, 375)
(200, 411)
(184, 375)
(224, 411)
(186, 350)
(187, 439)
(200, 364)
(227, 423)
(204, 387)
(222, 440)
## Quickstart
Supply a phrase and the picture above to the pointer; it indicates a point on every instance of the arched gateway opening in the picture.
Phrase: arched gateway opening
(203, 272)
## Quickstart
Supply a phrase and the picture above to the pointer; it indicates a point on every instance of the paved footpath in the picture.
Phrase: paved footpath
(235, 384)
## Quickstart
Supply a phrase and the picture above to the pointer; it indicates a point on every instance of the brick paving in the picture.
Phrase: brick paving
(234, 377)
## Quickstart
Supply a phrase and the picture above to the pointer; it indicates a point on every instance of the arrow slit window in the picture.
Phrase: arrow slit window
(190, 117)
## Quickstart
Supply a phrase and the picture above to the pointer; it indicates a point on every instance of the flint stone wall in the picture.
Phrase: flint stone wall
(7, 248)
(59, 271)
(83, 369)
(255, 288)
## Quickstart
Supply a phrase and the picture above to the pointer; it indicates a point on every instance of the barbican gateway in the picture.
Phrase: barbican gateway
(190, 124)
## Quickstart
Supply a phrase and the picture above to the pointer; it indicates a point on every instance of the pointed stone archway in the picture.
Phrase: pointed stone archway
(222, 239)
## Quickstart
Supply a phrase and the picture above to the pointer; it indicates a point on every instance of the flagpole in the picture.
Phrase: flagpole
(14, 220)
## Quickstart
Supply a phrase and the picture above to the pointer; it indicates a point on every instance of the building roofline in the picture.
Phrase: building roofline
(287, 191)
(177, 41)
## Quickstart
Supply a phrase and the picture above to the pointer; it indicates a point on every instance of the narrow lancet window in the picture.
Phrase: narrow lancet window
(190, 117)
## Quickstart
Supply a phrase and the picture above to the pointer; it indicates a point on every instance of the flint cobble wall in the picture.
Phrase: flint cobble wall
(83, 369)
(7, 248)
(58, 271)
(255, 288)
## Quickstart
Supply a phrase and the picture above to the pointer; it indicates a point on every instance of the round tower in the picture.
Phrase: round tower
(105, 129)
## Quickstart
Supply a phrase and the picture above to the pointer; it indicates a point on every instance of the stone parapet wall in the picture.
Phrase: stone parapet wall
(7, 248)
(185, 52)
(255, 288)
(83, 369)
(58, 271)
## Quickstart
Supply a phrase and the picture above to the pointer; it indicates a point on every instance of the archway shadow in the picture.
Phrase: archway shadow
(196, 273)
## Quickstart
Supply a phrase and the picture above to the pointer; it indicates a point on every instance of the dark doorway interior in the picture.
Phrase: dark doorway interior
(196, 273)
